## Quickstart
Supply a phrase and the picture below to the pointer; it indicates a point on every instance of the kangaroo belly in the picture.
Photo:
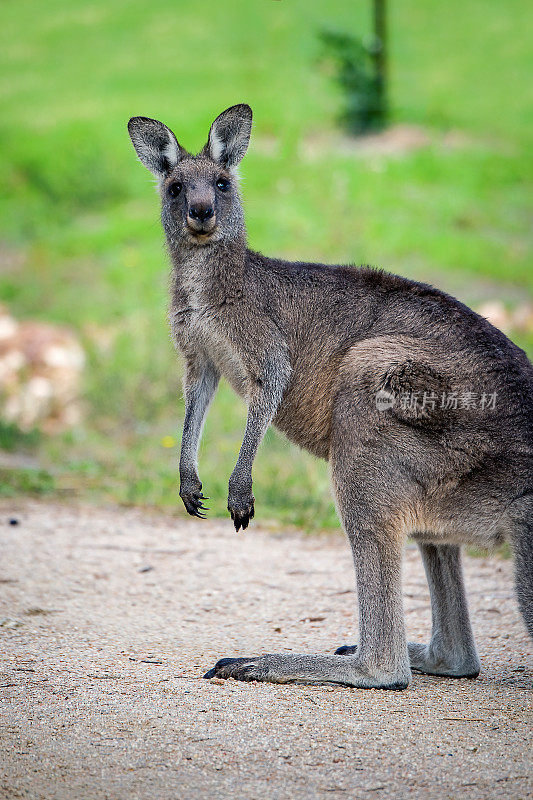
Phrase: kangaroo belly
(305, 413)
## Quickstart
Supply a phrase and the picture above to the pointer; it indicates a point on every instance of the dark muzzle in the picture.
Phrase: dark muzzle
(201, 213)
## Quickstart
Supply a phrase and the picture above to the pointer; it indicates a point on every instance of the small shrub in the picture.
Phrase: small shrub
(358, 78)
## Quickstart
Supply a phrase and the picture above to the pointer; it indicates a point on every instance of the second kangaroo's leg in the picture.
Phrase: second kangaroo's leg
(451, 650)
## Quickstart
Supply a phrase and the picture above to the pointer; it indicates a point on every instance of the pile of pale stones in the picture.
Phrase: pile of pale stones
(41, 367)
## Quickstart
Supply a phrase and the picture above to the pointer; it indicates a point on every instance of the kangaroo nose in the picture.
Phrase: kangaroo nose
(201, 213)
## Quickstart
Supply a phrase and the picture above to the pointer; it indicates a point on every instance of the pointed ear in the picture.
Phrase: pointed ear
(229, 136)
(155, 144)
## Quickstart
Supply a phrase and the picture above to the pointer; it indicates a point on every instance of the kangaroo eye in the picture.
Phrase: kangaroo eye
(223, 184)
(174, 189)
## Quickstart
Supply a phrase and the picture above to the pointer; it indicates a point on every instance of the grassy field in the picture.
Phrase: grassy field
(80, 238)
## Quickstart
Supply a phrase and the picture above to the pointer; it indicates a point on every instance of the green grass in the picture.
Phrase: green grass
(79, 218)
(16, 481)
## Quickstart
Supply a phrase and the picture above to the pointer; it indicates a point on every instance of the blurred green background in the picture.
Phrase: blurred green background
(80, 241)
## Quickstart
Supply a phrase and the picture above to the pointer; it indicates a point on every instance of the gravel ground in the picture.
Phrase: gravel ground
(109, 617)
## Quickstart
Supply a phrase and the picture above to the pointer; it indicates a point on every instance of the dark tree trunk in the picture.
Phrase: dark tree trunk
(380, 55)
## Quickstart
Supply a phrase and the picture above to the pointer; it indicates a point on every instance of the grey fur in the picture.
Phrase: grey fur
(311, 347)
(452, 650)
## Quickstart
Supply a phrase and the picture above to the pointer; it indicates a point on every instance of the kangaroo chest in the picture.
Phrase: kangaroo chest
(198, 328)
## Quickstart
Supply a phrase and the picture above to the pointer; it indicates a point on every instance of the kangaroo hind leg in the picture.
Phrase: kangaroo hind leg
(451, 650)
(522, 541)
(381, 660)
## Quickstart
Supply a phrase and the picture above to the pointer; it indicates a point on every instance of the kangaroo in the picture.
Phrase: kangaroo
(422, 409)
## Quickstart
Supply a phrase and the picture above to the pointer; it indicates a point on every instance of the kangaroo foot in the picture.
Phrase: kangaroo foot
(310, 670)
(424, 658)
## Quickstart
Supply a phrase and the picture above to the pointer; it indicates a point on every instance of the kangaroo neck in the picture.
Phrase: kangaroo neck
(212, 273)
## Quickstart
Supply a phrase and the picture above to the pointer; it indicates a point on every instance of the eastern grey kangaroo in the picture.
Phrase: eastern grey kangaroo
(421, 407)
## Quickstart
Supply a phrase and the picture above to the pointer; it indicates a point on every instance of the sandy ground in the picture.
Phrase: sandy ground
(109, 617)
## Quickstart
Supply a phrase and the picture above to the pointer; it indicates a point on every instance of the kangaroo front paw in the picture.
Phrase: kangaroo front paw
(241, 505)
(191, 494)
(242, 516)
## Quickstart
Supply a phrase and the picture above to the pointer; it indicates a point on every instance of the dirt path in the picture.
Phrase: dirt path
(108, 618)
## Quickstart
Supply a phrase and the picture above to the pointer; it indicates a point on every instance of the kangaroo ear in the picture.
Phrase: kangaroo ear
(229, 135)
(155, 144)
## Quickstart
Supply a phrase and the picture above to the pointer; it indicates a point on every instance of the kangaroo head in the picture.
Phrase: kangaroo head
(199, 193)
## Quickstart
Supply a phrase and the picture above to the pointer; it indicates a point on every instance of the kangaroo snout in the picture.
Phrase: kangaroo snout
(201, 212)
(201, 218)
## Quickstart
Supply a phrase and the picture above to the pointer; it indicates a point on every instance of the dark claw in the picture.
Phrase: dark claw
(242, 519)
(210, 674)
(345, 650)
(225, 667)
(193, 504)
